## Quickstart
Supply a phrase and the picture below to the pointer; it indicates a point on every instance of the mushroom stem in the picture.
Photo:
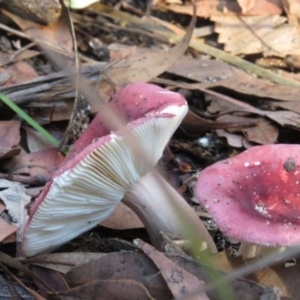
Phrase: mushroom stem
(251, 250)
(162, 209)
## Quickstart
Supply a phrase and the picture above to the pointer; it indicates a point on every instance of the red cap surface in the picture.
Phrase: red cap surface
(255, 196)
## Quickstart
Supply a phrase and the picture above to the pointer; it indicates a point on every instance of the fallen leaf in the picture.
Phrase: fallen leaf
(121, 218)
(264, 132)
(64, 262)
(118, 266)
(11, 290)
(233, 140)
(193, 124)
(215, 73)
(205, 8)
(56, 35)
(18, 72)
(53, 279)
(180, 282)
(292, 9)
(14, 56)
(5, 228)
(284, 118)
(15, 200)
(260, 7)
(35, 140)
(107, 290)
(240, 35)
(39, 164)
(9, 138)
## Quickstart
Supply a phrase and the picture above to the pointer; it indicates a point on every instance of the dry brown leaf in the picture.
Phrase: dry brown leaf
(17, 72)
(13, 195)
(125, 265)
(233, 140)
(63, 262)
(107, 290)
(250, 85)
(5, 228)
(292, 9)
(56, 35)
(205, 8)
(180, 282)
(263, 133)
(9, 57)
(214, 73)
(193, 124)
(260, 7)
(122, 218)
(53, 278)
(279, 39)
(12, 290)
(204, 70)
(288, 105)
(39, 164)
(284, 118)
(35, 140)
(9, 138)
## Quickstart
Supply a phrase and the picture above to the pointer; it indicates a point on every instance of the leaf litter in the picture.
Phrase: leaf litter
(224, 99)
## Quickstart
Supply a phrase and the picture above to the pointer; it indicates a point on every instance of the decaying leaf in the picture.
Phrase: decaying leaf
(5, 228)
(39, 165)
(260, 7)
(55, 36)
(205, 8)
(264, 132)
(244, 35)
(15, 200)
(9, 138)
(180, 282)
(64, 262)
(121, 218)
(118, 266)
(123, 289)
(11, 290)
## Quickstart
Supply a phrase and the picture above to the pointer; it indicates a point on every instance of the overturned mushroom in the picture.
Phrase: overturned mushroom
(254, 197)
(106, 167)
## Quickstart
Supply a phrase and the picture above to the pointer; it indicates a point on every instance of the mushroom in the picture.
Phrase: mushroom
(106, 167)
(254, 197)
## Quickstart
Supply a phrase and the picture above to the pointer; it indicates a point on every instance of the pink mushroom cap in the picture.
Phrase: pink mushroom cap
(255, 196)
(103, 166)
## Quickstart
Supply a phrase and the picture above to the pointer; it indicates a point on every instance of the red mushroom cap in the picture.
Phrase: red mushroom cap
(103, 167)
(255, 196)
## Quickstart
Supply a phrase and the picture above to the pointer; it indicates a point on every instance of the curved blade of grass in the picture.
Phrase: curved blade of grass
(29, 120)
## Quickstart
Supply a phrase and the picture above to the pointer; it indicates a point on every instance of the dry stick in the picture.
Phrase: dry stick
(28, 290)
(12, 262)
(31, 180)
(58, 84)
(79, 117)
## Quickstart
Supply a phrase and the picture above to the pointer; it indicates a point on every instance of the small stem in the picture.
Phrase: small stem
(162, 209)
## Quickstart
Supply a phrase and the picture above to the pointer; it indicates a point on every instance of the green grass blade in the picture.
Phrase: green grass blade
(29, 120)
